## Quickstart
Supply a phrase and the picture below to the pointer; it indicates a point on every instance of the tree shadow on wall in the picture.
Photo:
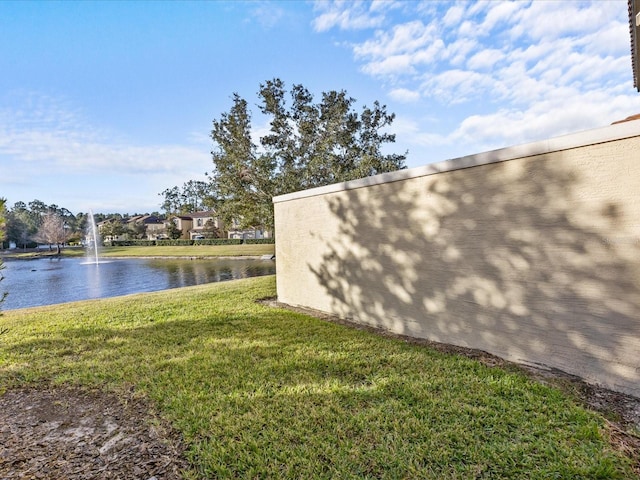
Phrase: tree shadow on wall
(505, 258)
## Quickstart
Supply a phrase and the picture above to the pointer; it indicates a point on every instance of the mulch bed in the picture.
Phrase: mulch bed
(69, 433)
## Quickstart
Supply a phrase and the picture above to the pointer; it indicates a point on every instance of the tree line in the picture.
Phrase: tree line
(27, 224)
(3, 227)
(309, 144)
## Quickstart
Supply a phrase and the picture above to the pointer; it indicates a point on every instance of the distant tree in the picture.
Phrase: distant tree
(3, 221)
(18, 231)
(171, 203)
(138, 229)
(24, 221)
(309, 145)
(52, 231)
(112, 228)
(22, 225)
(210, 230)
(173, 232)
(80, 224)
(3, 215)
(37, 211)
(39, 207)
(194, 196)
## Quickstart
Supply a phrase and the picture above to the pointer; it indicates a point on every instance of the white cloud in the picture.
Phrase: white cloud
(501, 72)
(453, 16)
(44, 131)
(400, 51)
(456, 86)
(267, 14)
(404, 38)
(567, 111)
(346, 15)
(404, 95)
(411, 130)
(500, 12)
(485, 59)
(611, 39)
(458, 51)
(550, 20)
(391, 66)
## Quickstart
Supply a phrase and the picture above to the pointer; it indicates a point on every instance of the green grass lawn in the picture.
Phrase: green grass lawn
(166, 251)
(190, 251)
(260, 392)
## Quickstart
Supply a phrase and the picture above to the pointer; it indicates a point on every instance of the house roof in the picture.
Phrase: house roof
(202, 214)
(634, 31)
(194, 215)
(628, 119)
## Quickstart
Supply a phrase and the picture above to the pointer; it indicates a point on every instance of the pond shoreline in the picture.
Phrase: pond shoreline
(31, 254)
(168, 257)
(47, 280)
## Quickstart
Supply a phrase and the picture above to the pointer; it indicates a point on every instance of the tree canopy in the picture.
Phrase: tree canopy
(309, 144)
(194, 196)
(25, 223)
(53, 230)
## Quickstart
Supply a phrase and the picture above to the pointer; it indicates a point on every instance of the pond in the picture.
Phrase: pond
(46, 281)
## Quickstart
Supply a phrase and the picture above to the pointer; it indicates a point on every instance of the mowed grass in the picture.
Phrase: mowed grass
(189, 251)
(261, 392)
(247, 250)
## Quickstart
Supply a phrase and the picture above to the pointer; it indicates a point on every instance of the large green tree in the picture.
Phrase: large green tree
(309, 144)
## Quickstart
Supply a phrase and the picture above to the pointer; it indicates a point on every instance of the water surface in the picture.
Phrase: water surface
(46, 281)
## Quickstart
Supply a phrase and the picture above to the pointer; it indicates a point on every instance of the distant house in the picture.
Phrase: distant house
(247, 233)
(148, 226)
(199, 225)
(183, 223)
(106, 229)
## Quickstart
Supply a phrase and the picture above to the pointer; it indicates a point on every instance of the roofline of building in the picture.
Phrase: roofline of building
(566, 142)
(634, 32)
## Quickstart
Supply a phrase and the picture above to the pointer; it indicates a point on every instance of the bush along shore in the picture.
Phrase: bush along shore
(161, 250)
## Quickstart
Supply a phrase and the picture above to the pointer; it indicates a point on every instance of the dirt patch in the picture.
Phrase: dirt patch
(70, 433)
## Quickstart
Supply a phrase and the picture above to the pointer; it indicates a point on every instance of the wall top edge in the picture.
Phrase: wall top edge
(610, 133)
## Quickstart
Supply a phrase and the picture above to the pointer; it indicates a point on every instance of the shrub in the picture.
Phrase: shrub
(259, 241)
(173, 243)
(218, 241)
(129, 243)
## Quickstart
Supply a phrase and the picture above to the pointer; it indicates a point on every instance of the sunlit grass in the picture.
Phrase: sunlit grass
(163, 251)
(189, 251)
(260, 392)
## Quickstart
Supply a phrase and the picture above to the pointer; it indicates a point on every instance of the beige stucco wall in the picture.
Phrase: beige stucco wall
(531, 253)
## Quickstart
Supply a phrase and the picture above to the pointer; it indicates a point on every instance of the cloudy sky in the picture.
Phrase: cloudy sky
(103, 105)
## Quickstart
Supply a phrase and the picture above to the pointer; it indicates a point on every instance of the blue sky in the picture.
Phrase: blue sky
(103, 105)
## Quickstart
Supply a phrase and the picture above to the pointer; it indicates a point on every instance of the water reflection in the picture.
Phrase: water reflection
(49, 281)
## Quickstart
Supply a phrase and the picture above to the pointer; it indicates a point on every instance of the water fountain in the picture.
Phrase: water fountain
(92, 240)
